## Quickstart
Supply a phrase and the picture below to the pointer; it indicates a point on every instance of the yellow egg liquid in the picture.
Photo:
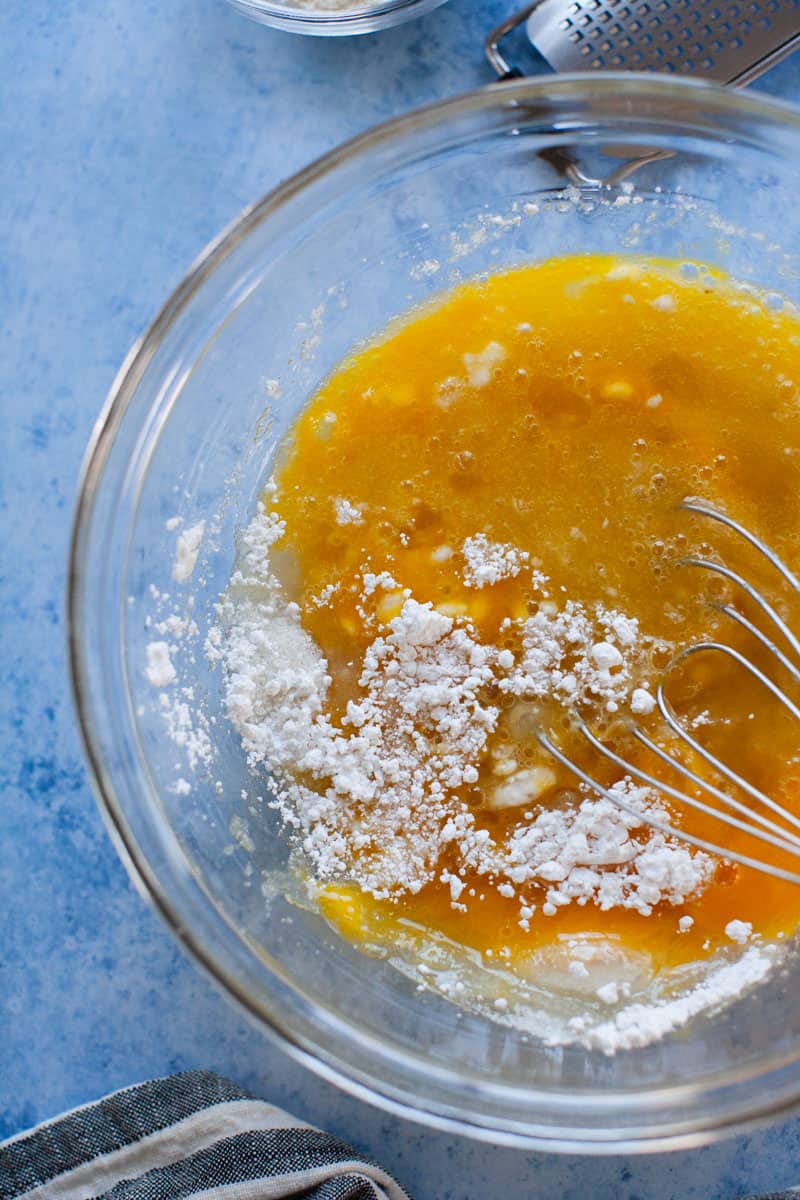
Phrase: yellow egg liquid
(566, 409)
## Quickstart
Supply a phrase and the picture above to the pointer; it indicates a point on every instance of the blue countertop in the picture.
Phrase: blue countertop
(132, 131)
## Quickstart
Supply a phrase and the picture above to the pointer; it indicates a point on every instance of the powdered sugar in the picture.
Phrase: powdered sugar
(187, 726)
(385, 777)
(739, 931)
(378, 798)
(598, 852)
(480, 366)
(186, 550)
(642, 703)
(640, 1023)
(348, 513)
(488, 562)
(579, 654)
(159, 670)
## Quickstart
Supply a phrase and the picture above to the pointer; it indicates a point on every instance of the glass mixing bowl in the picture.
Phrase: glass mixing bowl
(503, 176)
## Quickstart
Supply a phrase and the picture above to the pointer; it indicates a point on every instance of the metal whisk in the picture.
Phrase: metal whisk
(749, 820)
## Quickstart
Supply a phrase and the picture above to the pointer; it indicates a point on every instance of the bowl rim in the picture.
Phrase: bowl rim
(710, 97)
(366, 18)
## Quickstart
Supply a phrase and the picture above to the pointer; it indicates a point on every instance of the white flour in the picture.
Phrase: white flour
(596, 852)
(375, 799)
(348, 513)
(638, 1024)
(580, 654)
(489, 562)
(386, 777)
(160, 671)
(186, 550)
(372, 799)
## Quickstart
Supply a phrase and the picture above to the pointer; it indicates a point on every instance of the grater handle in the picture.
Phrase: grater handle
(491, 45)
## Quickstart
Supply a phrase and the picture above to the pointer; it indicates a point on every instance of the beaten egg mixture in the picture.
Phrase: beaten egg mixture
(476, 523)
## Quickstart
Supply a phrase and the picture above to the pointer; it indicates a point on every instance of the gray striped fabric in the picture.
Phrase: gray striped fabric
(193, 1136)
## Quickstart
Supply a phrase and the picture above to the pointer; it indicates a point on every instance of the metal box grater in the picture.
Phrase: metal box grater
(729, 41)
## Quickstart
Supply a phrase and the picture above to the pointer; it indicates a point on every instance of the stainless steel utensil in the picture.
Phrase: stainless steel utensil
(743, 807)
(728, 41)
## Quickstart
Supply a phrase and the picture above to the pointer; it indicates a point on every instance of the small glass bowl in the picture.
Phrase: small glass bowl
(494, 179)
(333, 22)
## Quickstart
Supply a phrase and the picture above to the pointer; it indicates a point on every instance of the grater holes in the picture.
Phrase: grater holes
(704, 36)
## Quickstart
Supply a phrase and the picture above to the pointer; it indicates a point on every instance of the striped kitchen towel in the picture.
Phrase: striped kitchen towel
(193, 1135)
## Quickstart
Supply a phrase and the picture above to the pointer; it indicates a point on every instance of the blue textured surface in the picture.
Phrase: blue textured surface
(131, 132)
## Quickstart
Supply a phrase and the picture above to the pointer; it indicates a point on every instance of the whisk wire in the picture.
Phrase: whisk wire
(664, 826)
(705, 510)
(751, 668)
(782, 839)
(723, 797)
(750, 821)
(729, 611)
(769, 612)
